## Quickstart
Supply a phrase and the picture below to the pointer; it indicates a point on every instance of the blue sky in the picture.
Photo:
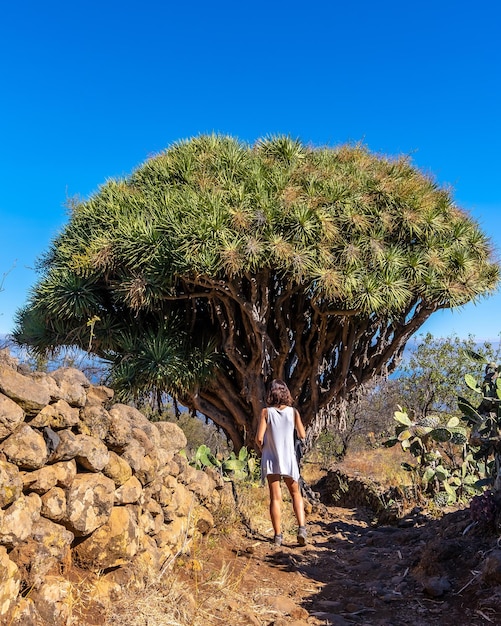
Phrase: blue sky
(91, 89)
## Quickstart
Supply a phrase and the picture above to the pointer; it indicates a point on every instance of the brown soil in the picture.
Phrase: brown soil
(356, 569)
(418, 571)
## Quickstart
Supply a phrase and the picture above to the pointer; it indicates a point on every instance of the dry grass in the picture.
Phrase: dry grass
(253, 503)
(382, 465)
(188, 594)
(312, 471)
(159, 603)
(204, 578)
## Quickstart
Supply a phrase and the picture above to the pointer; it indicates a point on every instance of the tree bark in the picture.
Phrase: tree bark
(269, 329)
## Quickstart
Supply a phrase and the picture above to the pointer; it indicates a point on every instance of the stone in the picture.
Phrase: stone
(75, 396)
(51, 438)
(172, 468)
(72, 385)
(7, 359)
(95, 421)
(204, 521)
(158, 492)
(137, 420)
(16, 522)
(491, 568)
(142, 456)
(117, 469)
(134, 454)
(71, 375)
(119, 428)
(333, 619)
(42, 480)
(34, 562)
(54, 504)
(436, 586)
(147, 523)
(89, 503)
(129, 493)
(175, 533)
(252, 620)
(56, 538)
(181, 461)
(148, 470)
(11, 484)
(145, 442)
(53, 600)
(44, 379)
(58, 416)
(11, 415)
(65, 472)
(197, 481)
(172, 438)
(163, 496)
(10, 582)
(111, 545)
(25, 613)
(216, 477)
(148, 559)
(69, 447)
(140, 421)
(181, 502)
(81, 480)
(25, 448)
(104, 592)
(152, 506)
(99, 395)
(93, 455)
(158, 521)
(286, 606)
(163, 541)
(27, 393)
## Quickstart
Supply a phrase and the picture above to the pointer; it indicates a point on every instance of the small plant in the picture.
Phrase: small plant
(245, 466)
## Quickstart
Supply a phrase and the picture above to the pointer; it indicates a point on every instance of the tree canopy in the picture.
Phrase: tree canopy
(432, 377)
(217, 265)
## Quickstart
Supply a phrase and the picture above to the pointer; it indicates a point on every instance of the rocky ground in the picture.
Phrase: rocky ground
(418, 572)
(359, 567)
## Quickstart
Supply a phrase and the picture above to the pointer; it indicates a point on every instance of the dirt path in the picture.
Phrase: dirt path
(421, 572)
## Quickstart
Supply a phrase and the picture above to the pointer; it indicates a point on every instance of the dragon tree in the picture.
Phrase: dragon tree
(217, 266)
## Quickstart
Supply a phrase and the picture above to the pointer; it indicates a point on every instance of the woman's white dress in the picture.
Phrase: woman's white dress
(278, 454)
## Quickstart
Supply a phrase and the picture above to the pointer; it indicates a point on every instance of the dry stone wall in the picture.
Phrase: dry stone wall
(85, 481)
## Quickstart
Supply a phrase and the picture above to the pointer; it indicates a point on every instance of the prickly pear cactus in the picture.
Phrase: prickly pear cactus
(485, 442)
(485, 423)
(435, 474)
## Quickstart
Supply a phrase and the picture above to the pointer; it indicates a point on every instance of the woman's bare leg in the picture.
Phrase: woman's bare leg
(297, 499)
(275, 501)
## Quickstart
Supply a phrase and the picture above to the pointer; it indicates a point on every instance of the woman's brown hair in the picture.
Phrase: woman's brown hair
(278, 394)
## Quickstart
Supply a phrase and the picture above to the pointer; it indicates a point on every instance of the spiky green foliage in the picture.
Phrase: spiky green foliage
(312, 265)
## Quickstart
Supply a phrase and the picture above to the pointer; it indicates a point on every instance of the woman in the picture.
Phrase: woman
(275, 438)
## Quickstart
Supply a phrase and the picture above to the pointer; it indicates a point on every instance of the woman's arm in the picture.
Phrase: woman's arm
(261, 429)
(298, 424)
